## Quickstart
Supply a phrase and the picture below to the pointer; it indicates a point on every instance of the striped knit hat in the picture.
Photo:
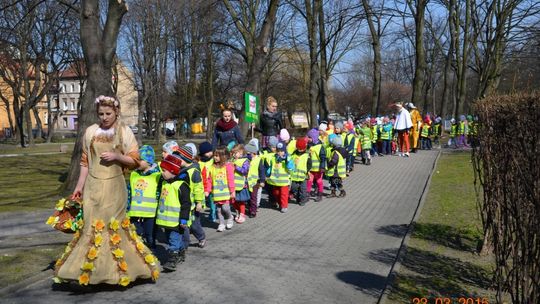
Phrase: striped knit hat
(186, 154)
(171, 163)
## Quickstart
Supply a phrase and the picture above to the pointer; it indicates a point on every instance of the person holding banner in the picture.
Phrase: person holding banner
(226, 131)
(270, 122)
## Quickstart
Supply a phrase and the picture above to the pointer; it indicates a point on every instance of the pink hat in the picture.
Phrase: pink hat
(284, 135)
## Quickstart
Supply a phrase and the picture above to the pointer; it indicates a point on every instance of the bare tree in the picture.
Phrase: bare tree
(98, 42)
(254, 22)
(32, 32)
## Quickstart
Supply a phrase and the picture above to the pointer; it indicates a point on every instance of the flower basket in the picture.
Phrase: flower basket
(67, 216)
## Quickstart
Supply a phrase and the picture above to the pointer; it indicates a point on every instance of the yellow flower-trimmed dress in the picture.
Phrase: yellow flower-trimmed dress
(107, 248)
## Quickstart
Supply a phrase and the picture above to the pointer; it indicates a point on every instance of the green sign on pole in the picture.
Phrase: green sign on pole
(252, 107)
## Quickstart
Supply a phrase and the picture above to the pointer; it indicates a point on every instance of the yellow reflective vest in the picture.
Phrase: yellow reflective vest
(279, 175)
(143, 194)
(340, 167)
(300, 172)
(253, 173)
(425, 131)
(220, 185)
(291, 146)
(168, 214)
(315, 153)
(239, 179)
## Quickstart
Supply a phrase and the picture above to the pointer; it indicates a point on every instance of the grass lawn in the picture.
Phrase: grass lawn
(440, 260)
(31, 182)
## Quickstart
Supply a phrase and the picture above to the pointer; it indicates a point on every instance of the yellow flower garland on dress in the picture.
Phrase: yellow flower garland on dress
(65, 255)
(142, 250)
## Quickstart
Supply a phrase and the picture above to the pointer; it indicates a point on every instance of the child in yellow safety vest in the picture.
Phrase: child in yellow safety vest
(386, 136)
(219, 181)
(318, 162)
(205, 159)
(256, 176)
(453, 134)
(173, 210)
(337, 170)
(367, 137)
(299, 176)
(191, 175)
(143, 195)
(425, 134)
(268, 153)
(241, 169)
(437, 131)
(278, 169)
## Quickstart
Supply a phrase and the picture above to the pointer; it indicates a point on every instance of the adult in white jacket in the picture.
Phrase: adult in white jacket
(402, 125)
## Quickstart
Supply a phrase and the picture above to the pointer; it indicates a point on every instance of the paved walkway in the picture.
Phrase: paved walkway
(328, 252)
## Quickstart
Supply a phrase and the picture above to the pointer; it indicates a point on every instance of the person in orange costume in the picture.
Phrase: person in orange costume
(417, 120)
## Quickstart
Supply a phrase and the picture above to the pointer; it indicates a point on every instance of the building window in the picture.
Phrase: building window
(64, 123)
(64, 104)
(45, 120)
(62, 88)
(72, 104)
(72, 88)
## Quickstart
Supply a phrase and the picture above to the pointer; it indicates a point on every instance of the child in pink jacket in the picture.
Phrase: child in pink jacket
(219, 180)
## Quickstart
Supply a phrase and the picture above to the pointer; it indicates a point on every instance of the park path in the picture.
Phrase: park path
(336, 251)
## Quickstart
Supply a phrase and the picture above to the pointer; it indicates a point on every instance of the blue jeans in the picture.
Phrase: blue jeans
(386, 147)
(196, 228)
(145, 229)
(175, 241)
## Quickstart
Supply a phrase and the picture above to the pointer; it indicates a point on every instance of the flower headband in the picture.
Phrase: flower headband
(106, 98)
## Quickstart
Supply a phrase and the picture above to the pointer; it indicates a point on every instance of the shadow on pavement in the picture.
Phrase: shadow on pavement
(366, 282)
(398, 231)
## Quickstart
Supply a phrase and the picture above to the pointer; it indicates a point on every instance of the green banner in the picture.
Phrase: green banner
(252, 107)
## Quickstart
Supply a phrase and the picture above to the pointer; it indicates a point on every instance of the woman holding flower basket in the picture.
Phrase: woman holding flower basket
(106, 249)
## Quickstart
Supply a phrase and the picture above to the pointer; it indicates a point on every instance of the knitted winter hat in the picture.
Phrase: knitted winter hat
(171, 163)
(452, 120)
(147, 154)
(254, 142)
(281, 147)
(301, 143)
(170, 146)
(335, 141)
(205, 147)
(314, 135)
(339, 125)
(186, 154)
(284, 135)
(323, 127)
(251, 148)
(272, 141)
(193, 149)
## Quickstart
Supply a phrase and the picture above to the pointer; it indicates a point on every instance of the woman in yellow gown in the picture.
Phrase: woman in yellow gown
(107, 249)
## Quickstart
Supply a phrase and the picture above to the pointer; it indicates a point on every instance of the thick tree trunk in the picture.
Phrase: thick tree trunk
(39, 127)
(420, 56)
(260, 53)
(28, 122)
(324, 92)
(375, 43)
(99, 49)
(314, 70)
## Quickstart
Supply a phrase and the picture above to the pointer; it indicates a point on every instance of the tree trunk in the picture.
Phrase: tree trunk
(462, 80)
(420, 58)
(99, 48)
(314, 70)
(324, 92)
(39, 128)
(260, 53)
(28, 122)
(375, 43)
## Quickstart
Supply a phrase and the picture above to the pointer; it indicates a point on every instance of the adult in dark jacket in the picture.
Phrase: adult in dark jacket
(270, 122)
(226, 131)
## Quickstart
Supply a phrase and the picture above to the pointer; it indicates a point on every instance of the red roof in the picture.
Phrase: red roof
(74, 70)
